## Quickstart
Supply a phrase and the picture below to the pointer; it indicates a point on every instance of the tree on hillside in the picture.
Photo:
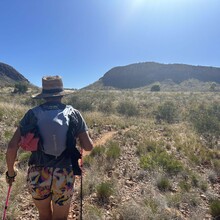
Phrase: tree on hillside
(213, 86)
(20, 88)
(155, 88)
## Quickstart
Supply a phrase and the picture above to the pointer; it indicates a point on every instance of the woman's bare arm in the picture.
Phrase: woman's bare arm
(85, 141)
(11, 152)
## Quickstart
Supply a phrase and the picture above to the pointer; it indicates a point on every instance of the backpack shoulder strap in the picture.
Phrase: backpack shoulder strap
(71, 144)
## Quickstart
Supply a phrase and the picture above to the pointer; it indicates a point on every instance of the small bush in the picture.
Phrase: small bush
(161, 159)
(167, 112)
(20, 88)
(32, 102)
(195, 181)
(215, 209)
(216, 165)
(90, 181)
(203, 186)
(147, 146)
(87, 161)
(82, 104)
(133, 211)
(127, 108)
(113, 151)
(23, 159)
(104, 191)
(106, 107)
(174, 200)
(97, 151)
(24, 156)
(152, 204)
(2, 163)
(184, 185)
(8, 134)
(1, 114)
(213, 86)
(163, 184)
(206, 119)
(92, 213)
(155, 88)
(213, 177)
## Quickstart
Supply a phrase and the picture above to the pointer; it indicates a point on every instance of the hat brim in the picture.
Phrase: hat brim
(47, 95)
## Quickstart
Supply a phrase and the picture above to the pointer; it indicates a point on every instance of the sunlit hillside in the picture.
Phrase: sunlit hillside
(144, 74)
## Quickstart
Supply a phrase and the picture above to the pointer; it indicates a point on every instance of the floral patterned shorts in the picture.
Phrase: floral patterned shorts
(48, 181)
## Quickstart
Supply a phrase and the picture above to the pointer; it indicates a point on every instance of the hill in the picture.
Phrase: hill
(143, 74)
(10, 76)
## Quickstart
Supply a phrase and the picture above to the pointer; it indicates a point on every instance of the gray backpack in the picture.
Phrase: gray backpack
(53, 125)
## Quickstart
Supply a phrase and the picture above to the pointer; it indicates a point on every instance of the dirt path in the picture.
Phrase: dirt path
(75, 208)
(107, 136)
(102, 140)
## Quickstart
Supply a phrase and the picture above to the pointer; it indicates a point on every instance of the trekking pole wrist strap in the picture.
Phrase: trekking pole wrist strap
(11, 177)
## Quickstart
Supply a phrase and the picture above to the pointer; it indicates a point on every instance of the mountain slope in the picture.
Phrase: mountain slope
(10, 76)
(142, 74)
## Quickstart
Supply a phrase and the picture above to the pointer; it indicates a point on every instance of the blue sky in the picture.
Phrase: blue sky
(82, 39)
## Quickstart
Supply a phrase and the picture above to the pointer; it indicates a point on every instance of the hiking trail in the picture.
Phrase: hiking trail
(74, 213)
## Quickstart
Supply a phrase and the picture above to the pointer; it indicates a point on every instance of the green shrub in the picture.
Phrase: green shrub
(213, 86)
(163, 184)
(106, 107)
(24, 156)
(167, 112)
(87, 161)
(203, 186)
(8, 134)
(97, 151)
(194, 180)
(2, 162)
(161, 159)
(184, 185)
(20, 88)
(127, 108)
(92, 213)
(152, 204)
(133, 211)
(216, 165)
(1, 114)
(113, 151)
(23, 159)
(215, 209)
(147, 146)
(32, 102)
(82, 103)
(147, 162)
(170, 164)
(104, 191)
(206, 119)
(155, 88)
(174, 200)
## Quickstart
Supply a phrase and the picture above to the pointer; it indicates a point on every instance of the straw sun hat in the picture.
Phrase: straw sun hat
(52, 86)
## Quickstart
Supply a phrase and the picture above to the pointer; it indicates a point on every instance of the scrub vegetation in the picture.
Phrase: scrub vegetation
(159, 161)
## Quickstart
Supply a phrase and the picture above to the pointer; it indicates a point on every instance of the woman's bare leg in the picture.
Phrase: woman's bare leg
(60, 212)
(44, 208)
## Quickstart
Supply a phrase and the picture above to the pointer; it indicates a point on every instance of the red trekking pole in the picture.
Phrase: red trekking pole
(81, 188)
(6, 202)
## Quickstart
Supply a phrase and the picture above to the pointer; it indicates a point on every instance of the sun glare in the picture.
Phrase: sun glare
(137, 3)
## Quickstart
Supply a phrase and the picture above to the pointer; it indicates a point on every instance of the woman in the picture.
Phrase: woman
(50, 131)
